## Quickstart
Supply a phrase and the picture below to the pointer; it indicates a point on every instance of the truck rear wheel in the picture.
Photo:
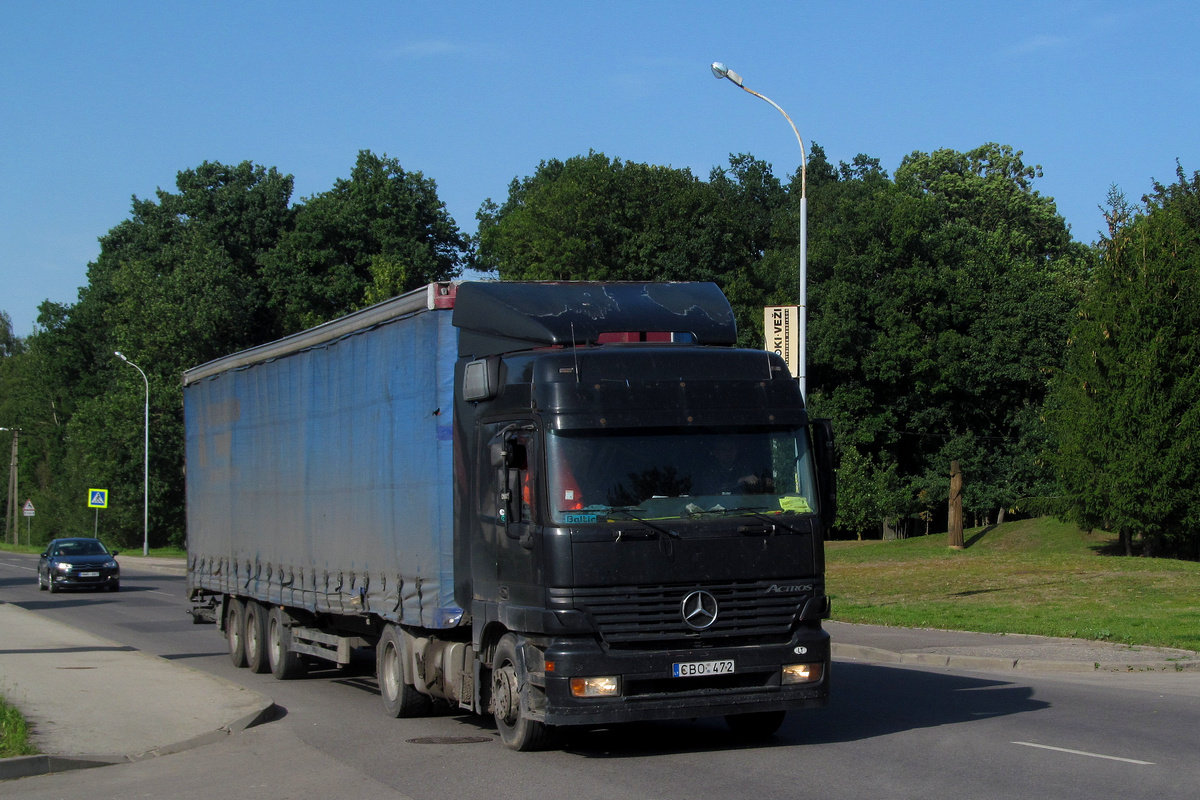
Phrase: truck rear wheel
(256, 638)
(235, 630)
(284, 663)
(517, 730)
(400, 699)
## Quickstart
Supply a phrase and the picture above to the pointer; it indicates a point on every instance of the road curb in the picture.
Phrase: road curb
(30, 766)
(875, 655)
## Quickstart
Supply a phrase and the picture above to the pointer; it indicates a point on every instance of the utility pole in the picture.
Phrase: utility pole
(10, 518)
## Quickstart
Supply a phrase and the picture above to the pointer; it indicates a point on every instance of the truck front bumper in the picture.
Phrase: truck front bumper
(649, 689)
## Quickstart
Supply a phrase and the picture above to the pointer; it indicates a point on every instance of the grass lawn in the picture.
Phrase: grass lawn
(133, 552)
(14, 733)
(1037, 576)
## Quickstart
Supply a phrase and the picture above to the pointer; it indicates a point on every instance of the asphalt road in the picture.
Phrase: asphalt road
(889, 732)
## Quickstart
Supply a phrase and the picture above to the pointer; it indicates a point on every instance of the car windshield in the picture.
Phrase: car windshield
(595, 476)
(86, 547)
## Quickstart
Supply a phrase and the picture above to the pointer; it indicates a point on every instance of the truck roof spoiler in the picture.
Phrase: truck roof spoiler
(503, 316)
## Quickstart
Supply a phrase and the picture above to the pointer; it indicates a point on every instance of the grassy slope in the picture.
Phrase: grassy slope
(1036, 576)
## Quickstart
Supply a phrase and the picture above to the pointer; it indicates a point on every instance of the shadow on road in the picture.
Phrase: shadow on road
(868, 701)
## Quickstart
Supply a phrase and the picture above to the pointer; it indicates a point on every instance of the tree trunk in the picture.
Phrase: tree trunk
(1000, 516)
(956, 509)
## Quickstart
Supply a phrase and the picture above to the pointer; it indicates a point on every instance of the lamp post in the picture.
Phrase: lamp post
(146, 469)
(719, 70)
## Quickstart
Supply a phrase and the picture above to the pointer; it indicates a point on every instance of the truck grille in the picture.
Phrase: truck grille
(629, 616)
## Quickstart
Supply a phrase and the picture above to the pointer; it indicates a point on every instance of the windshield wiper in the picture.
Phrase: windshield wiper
(629, 511)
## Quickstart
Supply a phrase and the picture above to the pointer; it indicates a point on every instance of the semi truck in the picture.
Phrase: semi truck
(559, 503)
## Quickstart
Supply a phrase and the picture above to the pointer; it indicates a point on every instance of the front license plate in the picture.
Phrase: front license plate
(89, 574)
(689, 669)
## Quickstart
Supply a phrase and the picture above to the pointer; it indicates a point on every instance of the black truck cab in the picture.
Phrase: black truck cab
(640, 510)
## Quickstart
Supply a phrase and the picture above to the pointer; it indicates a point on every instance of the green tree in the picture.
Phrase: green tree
(939, 304)
(380, 233)
(598, 218)
(1126, 408)
(174, 285)
(10, 343)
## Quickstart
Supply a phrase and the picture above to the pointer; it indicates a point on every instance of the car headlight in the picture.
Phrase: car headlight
(110, 564)
(64, 567)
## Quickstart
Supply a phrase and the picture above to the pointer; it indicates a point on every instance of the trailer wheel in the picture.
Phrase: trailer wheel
(256, 638)
(400, 699)
(284, 663)
(755, 725)
(517, 731)
(235, 630)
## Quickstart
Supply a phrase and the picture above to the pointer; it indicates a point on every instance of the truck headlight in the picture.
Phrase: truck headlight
(605, 686)
(802, 673)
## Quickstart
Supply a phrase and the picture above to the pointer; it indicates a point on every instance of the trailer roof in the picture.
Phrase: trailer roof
(434, 295)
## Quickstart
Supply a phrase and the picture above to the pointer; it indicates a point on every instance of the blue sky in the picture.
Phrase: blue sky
(100, 101)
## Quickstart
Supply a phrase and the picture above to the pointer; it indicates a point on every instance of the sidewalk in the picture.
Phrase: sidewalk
(93, 702)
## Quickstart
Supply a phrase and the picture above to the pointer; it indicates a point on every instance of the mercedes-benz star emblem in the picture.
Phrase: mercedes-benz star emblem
(699, 610)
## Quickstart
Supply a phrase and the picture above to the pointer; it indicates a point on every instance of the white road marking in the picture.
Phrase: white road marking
(1085, 753)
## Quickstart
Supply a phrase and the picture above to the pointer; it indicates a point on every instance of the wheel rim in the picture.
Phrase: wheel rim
(274, 643)
(251, 631)
(504, 693)
(231, 630)
(389, 675)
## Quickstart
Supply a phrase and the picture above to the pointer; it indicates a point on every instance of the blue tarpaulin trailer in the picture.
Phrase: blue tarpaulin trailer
(331, 459)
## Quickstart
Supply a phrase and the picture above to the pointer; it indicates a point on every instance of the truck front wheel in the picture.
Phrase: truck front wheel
(517, 731)
(400, 698)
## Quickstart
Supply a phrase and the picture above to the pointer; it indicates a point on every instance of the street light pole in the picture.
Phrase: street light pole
(146, 469)
(719, 70)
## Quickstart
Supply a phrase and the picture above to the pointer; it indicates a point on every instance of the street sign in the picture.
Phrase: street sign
(28, 508)
(97, 498)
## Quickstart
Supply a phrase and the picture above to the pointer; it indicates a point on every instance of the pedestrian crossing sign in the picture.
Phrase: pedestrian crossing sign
(97, 498)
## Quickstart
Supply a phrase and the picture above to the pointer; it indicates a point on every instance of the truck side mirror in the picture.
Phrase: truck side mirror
(826, 474)
(481, 380)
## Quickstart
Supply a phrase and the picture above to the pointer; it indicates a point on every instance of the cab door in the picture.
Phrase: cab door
(510, 488)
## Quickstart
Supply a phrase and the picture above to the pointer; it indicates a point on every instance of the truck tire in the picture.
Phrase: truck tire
(284, 663)
(400, 698)
(256, 638)
(517, 731)
(235, 630)
(755, 725)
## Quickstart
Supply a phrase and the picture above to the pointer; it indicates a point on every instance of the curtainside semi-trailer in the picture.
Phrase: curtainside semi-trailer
(560, 504)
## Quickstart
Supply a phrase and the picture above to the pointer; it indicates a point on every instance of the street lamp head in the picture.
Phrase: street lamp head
(118, 355)
(719, 70)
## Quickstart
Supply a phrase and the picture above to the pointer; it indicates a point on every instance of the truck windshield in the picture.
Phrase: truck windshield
(597, 476)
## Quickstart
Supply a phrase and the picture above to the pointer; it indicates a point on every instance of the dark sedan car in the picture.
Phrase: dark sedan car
(78, 564)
